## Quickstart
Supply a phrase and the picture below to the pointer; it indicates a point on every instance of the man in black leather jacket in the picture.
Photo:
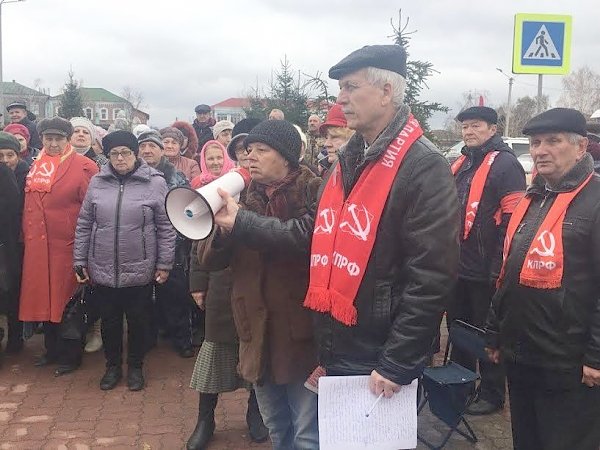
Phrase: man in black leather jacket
(413, 262)
(546, 311)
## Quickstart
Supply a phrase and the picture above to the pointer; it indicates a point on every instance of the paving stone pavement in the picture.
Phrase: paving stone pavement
(38, 411)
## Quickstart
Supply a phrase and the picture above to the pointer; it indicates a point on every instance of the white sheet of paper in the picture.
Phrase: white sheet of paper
(343, 424)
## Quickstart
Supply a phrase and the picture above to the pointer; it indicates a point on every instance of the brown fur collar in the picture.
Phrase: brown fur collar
(188, 131)
(299, 195)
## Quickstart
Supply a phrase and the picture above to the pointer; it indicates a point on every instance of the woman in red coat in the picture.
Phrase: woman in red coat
(55, 188)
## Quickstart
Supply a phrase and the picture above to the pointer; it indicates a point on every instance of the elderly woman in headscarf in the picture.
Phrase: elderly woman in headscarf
(55, 188)
(215, 371)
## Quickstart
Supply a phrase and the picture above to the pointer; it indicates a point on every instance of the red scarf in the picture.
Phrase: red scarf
(476, 190)
(345, 231)
(544, 262)
(42, 174)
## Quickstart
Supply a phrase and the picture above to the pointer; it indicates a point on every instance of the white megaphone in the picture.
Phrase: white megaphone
(192, 211)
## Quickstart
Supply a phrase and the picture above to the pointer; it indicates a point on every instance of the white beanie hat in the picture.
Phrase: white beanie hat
(222, 125)
(84, 122)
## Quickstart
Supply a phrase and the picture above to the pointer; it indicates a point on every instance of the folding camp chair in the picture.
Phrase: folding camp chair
(450, 389)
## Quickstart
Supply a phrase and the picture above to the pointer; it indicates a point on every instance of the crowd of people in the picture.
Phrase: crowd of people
(341, 256)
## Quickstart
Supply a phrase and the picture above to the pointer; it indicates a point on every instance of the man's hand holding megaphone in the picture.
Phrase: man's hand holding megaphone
(225, 218)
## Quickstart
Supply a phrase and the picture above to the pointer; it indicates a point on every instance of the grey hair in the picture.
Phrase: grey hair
(379, 77)
(575, 138)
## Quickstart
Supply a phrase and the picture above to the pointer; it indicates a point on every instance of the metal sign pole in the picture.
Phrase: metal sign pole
(539, 95)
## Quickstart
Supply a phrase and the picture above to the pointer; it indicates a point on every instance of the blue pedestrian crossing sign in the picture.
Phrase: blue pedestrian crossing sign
(542, 44)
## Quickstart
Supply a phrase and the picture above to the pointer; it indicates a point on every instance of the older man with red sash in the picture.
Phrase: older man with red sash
(384, 239)
(490, 181)
(545, 315)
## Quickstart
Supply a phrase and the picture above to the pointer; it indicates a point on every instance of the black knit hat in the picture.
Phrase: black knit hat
(557, 120)
(388, 57)
(9, 142)
(118, 138)
(240, 131)
(281, 136)
(479, 113)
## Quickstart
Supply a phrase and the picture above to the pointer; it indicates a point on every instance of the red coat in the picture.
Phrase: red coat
(49, 221)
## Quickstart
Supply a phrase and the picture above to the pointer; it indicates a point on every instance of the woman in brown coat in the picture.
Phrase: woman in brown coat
(277, 349)
(215, 371)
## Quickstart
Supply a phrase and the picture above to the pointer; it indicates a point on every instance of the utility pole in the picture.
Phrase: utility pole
(510, 84)
(2, 2)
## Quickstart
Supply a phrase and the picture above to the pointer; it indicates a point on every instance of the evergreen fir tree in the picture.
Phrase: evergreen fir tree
(417, 73)
(71, 104)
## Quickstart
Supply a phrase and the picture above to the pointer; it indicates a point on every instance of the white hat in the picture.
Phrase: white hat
(222, 125)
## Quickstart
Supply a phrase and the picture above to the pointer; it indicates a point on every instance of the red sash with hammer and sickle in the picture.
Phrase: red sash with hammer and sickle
(544, 261)
(476, 190)
(43, 171)
(345, 231)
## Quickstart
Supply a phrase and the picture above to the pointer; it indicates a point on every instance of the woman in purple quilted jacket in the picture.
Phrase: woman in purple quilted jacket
(124, 243)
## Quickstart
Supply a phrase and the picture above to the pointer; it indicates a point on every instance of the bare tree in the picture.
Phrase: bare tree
(135, 100)
(581, 91)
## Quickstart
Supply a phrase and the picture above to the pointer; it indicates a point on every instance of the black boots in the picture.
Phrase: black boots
(206, 422)
(256, 427)
(135, 379)
(111, 378)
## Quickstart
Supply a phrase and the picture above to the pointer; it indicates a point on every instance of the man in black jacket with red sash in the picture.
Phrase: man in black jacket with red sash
(490, 181)
(546, 312)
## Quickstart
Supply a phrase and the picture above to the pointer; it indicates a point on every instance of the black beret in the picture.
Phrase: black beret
(281, 136)
(120, 138)
(17, 104)
(565, 120)
(56, 125)
(478, 113)
(202, 109)
(388, 57)
(9, 142)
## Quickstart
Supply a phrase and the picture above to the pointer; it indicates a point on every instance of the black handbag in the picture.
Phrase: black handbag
(74, 319)
(5, 272)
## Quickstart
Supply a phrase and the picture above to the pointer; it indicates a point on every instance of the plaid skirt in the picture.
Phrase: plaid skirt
(216, 369)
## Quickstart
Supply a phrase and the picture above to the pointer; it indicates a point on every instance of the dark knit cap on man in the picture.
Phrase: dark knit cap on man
(120, 138)
(55, 125)
(557, 120)
(151, 136)
(173, 133)
(9, 142)
(240, 131)
(479, 113)
(388, 57)
(281, 136)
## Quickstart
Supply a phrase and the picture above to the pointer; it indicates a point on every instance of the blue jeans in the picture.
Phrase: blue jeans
(290, 413)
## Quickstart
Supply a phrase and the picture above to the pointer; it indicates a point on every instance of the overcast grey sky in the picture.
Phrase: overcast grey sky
(180, 53)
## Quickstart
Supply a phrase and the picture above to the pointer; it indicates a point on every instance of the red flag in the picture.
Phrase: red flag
(481, 100)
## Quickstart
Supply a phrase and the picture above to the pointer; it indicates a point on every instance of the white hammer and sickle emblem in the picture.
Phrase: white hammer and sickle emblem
(46, 169)
(326, 225)
(360, 229)
(547, 245)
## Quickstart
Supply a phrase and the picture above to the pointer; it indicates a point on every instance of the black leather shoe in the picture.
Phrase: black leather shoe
(186, 352)
(64, 369)
(135, 379)
(483, 408)
(44, 360)
(111, 378)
